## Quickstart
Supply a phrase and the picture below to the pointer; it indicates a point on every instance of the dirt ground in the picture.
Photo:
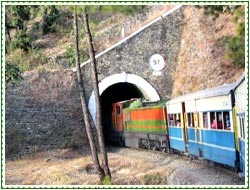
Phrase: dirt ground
(128, 167)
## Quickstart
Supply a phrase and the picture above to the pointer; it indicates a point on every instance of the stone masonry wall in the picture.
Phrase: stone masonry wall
(132, 56)
(43, 112)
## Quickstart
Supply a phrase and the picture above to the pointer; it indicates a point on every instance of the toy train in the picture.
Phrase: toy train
(208, 124)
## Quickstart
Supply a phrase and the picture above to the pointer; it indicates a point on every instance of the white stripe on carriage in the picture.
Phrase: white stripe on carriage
(175, 138)
(215, 146)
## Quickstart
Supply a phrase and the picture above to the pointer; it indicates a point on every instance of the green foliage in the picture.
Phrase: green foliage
(34, 10)
(21, 41)
(126, 10)
(12, 73)
(235, 44)
(238, 19)
(236, 50)
(123, 9)
(26, 60)
(216, 10)
(16, 18)
(107, 181)
(20, 13)
(50, 17)
(70, 54)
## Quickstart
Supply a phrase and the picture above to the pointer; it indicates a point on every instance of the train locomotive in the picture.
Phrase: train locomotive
(140, 127)
(208, 124)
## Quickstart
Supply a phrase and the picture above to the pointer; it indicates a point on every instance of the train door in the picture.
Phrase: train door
(197, 148)
(194, 131)
(176, 126)
(184, 124)
(117, 117)
(239, 128)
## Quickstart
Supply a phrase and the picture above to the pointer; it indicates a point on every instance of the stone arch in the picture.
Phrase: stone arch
(147, 89)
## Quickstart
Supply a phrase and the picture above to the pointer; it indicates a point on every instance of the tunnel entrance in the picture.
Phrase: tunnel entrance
(115, 93)
(118, 87)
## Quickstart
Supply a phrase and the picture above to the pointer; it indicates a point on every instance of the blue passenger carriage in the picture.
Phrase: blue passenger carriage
(215, 109)
(206, 125)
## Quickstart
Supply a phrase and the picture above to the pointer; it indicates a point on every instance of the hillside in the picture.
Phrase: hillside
(107, 29)
(202, 62)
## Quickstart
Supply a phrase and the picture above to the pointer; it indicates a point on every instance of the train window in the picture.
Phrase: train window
(174, 120)
(216, 120)
(190, 117)
(220, 120)
(242, 125)
(205, 120)
(226, 121)
(118, 110)
(213, 120)
(171, 119)
(178, 120)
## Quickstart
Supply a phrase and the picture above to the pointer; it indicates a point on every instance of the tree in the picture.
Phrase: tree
(21, 41)
(99, 126)
(236, 44)
(20, 14)
(50, 16)
(17, 17)
(84, 104)
(7, 26)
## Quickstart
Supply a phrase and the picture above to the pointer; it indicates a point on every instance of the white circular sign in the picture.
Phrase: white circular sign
(157, 62)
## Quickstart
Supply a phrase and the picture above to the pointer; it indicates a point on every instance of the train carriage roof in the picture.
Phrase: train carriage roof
(240, 80)
(211, 92)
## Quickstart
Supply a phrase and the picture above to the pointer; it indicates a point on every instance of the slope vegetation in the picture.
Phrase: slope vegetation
(202, 62)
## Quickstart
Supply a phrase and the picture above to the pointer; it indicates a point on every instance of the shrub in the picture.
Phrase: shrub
(236, 50)
(12, 73)
(26, 60)
(50, 16)
(21, 41)
(70, 54)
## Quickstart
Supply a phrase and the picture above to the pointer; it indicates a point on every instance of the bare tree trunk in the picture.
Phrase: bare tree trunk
(97, 96)
(84, 104)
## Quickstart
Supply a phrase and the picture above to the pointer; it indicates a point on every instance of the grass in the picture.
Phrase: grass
(68, 167)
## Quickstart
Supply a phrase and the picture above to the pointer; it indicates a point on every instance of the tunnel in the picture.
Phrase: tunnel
(119, 87)
(115, 93)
